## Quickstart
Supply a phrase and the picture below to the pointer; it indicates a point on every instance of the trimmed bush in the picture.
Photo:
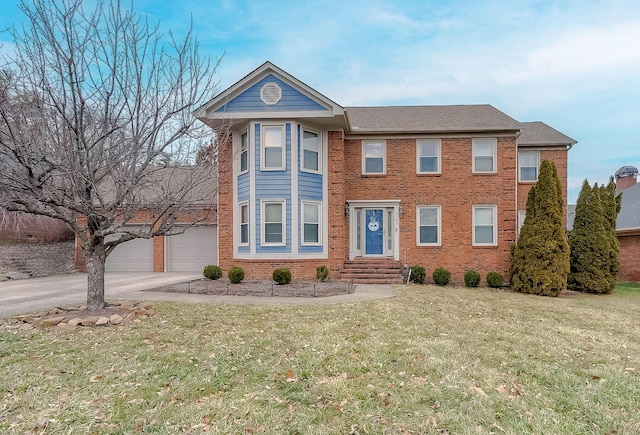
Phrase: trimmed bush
(494, 280)
(281, 276)
(212, 272)
(418, 274)
(322, 273)
(441, 276)
(236, 274)
(472, 278)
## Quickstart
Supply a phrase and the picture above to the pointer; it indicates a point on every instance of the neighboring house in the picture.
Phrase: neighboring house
(306, 182)
(628, 223)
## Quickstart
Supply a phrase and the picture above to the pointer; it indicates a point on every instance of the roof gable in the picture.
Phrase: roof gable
(538, 133)
(244, 100)
(290, 99)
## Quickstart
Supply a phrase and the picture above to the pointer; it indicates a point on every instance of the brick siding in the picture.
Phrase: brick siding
(629, 255)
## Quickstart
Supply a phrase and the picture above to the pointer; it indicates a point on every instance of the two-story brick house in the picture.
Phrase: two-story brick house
(304, 181)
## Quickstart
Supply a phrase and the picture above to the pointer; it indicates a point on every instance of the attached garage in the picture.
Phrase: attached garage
(192, 250)
(133, 256)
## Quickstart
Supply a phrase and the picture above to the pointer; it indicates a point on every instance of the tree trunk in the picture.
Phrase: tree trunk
(95, 257)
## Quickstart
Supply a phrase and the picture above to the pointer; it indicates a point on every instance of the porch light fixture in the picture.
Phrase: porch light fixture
(400, 211)
(346, 210)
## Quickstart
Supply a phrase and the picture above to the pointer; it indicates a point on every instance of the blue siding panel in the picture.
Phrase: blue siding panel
(292, 99)
(243, 187)
(274, 185)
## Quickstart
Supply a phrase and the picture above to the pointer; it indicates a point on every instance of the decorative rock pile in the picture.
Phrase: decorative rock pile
(68, 317)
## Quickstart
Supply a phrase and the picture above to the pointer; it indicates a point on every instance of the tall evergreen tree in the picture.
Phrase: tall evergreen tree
(540, 259)
(594, 245)
(589, 243)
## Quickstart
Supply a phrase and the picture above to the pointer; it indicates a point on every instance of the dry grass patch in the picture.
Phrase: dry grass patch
(430, 360)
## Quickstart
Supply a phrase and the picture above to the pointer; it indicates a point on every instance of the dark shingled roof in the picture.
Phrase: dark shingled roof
(429, 119)
(629, 216)
(538, 133)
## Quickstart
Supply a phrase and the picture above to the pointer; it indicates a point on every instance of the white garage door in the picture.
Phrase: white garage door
(133, 256)
(192, 250)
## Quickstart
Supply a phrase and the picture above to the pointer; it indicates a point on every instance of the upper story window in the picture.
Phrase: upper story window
(374, 156)
(244, 224)
(311, 151)
(244, 152)
(484, 155)
(428, 156)
(485, 226)
(528, 165)
(310, 223)
(273, 147)
(429, 225)
(273, 222)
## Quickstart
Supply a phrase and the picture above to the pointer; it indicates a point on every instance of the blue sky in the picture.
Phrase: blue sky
(572, 64)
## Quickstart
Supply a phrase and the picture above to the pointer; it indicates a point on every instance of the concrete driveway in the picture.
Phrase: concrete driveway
(26, 295)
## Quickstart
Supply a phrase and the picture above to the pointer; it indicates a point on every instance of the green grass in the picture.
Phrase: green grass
(430, 360)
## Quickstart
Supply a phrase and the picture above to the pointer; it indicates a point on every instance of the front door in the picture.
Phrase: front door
(374, 232)
(374, 229)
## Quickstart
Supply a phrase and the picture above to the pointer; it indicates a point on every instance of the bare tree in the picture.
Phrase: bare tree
(96, 126)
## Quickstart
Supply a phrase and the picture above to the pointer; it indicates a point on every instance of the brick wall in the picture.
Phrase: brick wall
(559, 157)
(629, 255)
(456, 190)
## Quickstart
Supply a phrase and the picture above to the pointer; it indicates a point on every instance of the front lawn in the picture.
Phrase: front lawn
(430, 360)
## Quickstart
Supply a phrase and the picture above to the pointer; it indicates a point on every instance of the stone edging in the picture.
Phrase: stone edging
(69, 317)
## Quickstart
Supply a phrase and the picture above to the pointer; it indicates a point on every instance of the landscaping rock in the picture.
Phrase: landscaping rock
(17, 275)
(89, 321)
(116, 319)
(53, 321)
(102, 321)
(75, 321)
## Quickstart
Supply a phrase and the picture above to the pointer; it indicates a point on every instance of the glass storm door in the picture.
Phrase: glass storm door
(374, 232)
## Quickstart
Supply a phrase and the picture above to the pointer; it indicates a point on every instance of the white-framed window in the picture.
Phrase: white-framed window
(374, 157)
(528, 165)
(244, 224)
(485, 227)
(521, 215)
(428, 225)
(311, 229)
(311, 150)
(273, 222)
(428, 156)
(244, 152)
(273, 148)
(484, 155)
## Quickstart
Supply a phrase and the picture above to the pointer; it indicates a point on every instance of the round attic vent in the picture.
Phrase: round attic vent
(270, 93)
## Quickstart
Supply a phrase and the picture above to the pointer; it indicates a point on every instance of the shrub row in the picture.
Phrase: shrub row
(442, 276)
(280, 276)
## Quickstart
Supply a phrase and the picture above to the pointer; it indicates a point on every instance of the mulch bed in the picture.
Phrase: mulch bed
(220, 287)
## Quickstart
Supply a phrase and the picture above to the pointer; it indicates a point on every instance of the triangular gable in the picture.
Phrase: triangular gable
(267, 92)
(290, 99)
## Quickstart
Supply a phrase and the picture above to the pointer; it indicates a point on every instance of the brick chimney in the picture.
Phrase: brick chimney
(625, 177)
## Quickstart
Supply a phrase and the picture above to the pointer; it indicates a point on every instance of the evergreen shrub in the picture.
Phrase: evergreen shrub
(494, 280)
(418, 274)
(471, 278)
(281, 276)
(441, 276)
(236, 274)
(322, 273)
(212, 272)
